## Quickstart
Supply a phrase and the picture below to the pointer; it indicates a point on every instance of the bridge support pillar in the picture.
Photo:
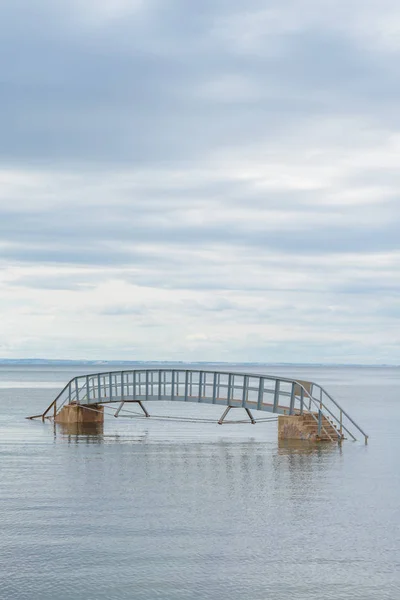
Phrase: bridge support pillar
(305, 427)
(138, 402)
(80, 413)
(229, 408)
(292, 428)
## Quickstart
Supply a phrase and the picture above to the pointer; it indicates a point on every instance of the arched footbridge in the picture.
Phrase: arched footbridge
(320, 414)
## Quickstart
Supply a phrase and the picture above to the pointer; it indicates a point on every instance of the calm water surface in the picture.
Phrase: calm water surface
(174, 510)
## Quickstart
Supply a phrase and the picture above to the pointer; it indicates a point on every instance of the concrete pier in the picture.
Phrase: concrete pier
(305, 427)
(80, 413)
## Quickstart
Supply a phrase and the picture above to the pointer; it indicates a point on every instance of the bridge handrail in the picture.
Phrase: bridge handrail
(319, 404)
(343, 412)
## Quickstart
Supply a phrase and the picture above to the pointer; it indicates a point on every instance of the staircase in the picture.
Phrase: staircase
(309, 425)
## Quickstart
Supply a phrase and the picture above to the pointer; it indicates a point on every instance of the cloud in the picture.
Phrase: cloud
(213, 181)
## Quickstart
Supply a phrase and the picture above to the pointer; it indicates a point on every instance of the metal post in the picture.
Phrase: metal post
(250, 416)
(76, 390)
(260, 393)
(99, 386)
(110, 385)
(186, 385)
(320, 412)
(172, 384)
(245, 390)
(292, 399)
(276, 395)
(159, 384)
(119, 408)
(143, 408)
(214, 398)
(134, 385)
(301, 401)
(55, 410)
(224, 415)
(147, 385)
(230, 379)
(200, 385)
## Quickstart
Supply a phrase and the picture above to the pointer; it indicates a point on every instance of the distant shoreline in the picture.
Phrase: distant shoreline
(70, 362)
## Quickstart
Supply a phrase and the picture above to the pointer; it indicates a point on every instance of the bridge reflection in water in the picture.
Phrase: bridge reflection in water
(278, 395)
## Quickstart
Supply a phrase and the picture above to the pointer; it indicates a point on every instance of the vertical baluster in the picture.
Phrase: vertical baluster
(110, 391)
(186, 385)
(245, 390)
(172, 384)
(230, 384)
(215, 379)
(122, 385)
(292, 399)
(260, 393)
(276, 395)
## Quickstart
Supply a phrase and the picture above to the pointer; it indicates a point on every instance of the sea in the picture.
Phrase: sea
(182, 508)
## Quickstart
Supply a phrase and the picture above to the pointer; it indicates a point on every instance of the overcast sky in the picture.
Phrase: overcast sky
(209, 180)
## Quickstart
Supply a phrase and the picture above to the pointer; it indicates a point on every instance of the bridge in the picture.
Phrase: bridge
(305, 409)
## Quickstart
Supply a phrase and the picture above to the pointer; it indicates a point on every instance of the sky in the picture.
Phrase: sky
(213, 180)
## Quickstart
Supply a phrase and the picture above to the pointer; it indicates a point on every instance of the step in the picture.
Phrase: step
(325, 424)
(325, 430)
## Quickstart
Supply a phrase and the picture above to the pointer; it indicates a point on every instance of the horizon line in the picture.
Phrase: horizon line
(182, 362)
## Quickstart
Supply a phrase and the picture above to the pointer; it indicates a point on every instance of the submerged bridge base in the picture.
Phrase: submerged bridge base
(305, 427)
(80, 414)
